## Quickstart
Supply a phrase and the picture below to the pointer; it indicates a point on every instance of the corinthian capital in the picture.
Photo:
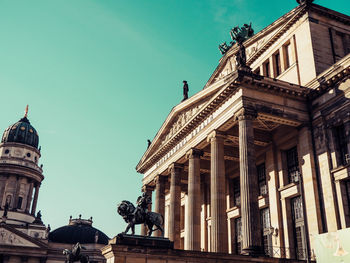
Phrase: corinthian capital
(175, 168)
(194, 153)
(245, 113)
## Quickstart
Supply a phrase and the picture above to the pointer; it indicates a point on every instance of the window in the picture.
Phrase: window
(265, 225)
(347, 189)
(299, 231)
(267, 69)
(182, 218)
(292, 165)
(257, 71)
(238, 228)
(288, 55)
(19, 202)
(262, 179)
(236, 192)
(341, 144)
(277, 64)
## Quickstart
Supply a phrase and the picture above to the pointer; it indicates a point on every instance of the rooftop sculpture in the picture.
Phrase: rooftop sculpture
(75, 254)
(140, 215)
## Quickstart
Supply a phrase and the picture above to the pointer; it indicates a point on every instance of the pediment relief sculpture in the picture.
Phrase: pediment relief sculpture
(9, 238)
(180, 121)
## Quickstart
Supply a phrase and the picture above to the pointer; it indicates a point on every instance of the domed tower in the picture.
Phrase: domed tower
(20, 175)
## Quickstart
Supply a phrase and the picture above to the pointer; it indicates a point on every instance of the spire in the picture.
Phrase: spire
(26, 112)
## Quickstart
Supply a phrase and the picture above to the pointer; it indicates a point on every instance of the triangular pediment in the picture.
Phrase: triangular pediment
(256, 45)
(9, 236)
(179, 116)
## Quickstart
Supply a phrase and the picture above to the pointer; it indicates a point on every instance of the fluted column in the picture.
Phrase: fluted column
(35, 199)
(159, 205)
(175, 203)
(192, 233)
(148, 190)
(217, 193)
(251, 228)
(29, 197)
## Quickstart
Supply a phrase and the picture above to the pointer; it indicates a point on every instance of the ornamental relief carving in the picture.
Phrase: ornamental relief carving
(7, 237)
(181, 120)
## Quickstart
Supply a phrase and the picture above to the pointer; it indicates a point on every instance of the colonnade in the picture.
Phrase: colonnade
(251, 232)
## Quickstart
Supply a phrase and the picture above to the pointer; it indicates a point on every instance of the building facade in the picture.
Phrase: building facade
(23, 235)
(258, 162)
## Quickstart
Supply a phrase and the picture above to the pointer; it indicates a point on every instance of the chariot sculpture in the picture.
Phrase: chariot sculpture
(75, 254)
(140, 215)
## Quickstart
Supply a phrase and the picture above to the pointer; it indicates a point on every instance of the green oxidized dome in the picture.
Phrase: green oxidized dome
(21, 132)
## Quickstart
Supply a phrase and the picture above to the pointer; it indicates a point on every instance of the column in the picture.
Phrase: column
(35, 199)
(159, 205)
(175, 203)
(217, 193)
(29, 197)
(148, 190)
(204, 215)
(251, 228)
(192, 228)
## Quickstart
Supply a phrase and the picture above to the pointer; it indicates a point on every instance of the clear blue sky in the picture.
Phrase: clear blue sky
(100, 77)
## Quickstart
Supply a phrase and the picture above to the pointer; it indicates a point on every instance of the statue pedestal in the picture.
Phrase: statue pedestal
(141, 249)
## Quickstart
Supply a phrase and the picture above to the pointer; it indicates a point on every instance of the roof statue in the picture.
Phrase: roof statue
(238, 35)
(185, 90)
(307, 2)
(140, 215)
(75, 254)
(148, 143)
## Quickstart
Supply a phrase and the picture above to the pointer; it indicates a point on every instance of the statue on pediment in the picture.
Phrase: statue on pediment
(302, 2)
(185, 90)
(140, 215)
(224, 48)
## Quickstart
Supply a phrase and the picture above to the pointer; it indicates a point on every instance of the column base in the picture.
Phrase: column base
(253, 251)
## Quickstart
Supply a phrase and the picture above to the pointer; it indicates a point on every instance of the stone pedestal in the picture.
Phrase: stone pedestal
(193, 234)
(219, 239)
(251, 228)
(175, 203)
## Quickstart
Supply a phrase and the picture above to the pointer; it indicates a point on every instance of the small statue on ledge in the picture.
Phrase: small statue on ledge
(148, 143)
(307, 2)
(75, 254)
(185, 90)
(140, 215)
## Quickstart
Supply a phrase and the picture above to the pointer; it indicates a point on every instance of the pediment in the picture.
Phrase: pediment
(177, 119)
(11, 237)
(256, 45)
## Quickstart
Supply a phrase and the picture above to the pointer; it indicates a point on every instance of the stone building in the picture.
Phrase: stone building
(258, 161)
(23, 235)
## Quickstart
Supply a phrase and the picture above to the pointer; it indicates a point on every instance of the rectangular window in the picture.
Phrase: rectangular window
(238, 228)
(19, 202)
(277, 64)
(267, 69)
(342, 144)
(292, 165)
(262, 179)
(299, 231)
(265, 225)
(347, 189)
(236, 192)
(257, 71)
(287, 53)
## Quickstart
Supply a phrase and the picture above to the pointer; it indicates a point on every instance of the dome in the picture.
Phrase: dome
(78, 230)
(21, 132)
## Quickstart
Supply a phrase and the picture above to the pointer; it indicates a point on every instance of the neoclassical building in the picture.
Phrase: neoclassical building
(23, 235)
(258, 162)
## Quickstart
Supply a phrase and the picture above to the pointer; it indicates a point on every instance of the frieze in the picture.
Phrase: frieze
(8, 238)
(181, 120)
